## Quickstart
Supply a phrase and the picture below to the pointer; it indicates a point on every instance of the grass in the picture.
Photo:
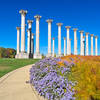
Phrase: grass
(8, 64)
(87, 73)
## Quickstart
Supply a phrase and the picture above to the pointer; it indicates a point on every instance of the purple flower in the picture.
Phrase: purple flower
(47, 79)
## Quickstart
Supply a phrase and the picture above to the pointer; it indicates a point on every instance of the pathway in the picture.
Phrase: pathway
(13, 86)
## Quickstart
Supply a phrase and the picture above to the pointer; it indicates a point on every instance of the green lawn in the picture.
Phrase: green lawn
(8, 64)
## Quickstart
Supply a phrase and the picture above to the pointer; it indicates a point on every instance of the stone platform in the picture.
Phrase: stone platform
(37, 56)
(49, 55)
(59, 55)
(23, 56)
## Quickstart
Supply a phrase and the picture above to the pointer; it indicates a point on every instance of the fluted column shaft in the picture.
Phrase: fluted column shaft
(68, 52)
(29, 41)
(37, 34)
(81, 44)
(69, 46)
(84, 45)
(18, 39)
(64, 46)
(91, 44)
(53, 52)
(32, 44)
(29, 36)
(23, 13)
(96, 47)
(76, 46)
(75, 41)
(87, 51)
(59, 38)
(49, 36)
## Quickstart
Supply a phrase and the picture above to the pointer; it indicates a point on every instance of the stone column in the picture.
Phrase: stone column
(70, 46)
(49, 21)
(32, 44)
(84, 45)
(96, 47)
(53, 52)
(29, 41)
(75, 41)
(59, 39)
(76, 47)
(91, 44)
(37, 54)
(64, 46)
(81, 43)
(68, 27)
(29, 36)
(87, 51)
(18, 39)
(23, 13)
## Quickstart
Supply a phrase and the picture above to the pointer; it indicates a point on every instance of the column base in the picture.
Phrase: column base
(68, 54)
(37, 56)
(23, 56)
(49, 55)
(59, 55)
(53, 55)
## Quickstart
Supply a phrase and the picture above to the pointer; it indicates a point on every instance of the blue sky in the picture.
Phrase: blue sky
(81, 14)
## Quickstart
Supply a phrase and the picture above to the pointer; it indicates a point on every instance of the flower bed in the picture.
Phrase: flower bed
(49, 77)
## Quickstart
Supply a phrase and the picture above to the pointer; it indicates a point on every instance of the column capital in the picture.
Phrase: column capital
(29, 21)
(23, 11)
(18, 28)
(75, 29)
(87, 33)
(37, 16)
(83, 38)
(49, 20)
(53, 38)
(91, 35)
(81, 31)
(96, 36)
(67, 27)
(59, 24)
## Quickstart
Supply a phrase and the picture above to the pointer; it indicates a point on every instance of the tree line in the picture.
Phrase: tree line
(7, 52)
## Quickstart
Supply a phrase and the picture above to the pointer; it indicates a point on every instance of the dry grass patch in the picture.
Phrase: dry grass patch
(2, 68)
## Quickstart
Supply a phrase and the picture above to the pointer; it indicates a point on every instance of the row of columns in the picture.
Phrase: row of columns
(30, 37)
(82, 42)
(30, 40)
